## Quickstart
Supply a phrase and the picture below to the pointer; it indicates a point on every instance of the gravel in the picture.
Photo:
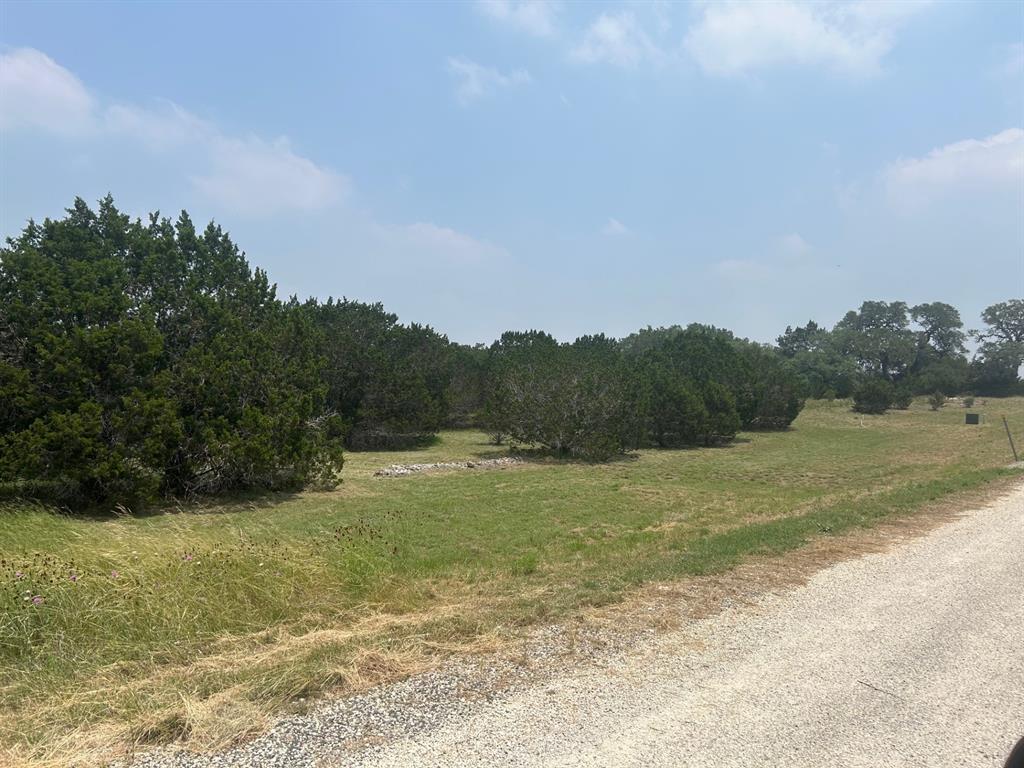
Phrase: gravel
(906, 658)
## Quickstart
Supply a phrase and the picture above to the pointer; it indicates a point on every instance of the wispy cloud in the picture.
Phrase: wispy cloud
(475, 80)
(160, 126)
(614, 228)
(37, 93)
(244, 174)
(259, 177)
(536, 17)
(434, 241)
(791, 251)
(735, 38)
(616, 39)
(963, 166)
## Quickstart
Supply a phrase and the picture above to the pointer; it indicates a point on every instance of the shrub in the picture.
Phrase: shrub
(936, 400)
(766, 390)
(969, 401)
(902, 398)
(572, 399)
(873, 396)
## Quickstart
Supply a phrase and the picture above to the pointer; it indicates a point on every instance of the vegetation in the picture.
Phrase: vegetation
(141, 360)
(572, 399)
(597, 397)
(386, 382)
(996, 367)
(919, 350)
(873, 396)
(147, 363)
(194, 624)
(138, 359)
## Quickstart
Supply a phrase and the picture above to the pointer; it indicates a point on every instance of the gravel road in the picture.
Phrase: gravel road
(910, 657)
(913, 657)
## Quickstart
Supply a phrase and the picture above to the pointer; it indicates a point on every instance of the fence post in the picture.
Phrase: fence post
(1010, 438)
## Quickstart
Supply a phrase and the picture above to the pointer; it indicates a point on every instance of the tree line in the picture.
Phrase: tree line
(147, 358)
(885, 353)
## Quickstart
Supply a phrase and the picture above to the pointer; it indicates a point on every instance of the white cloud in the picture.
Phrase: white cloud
(614, 227)
(246, 175)
(249, 175)
(475, 80)
(964, 166)
(536, 17)
(36, 92)
(734, 38)
(615, 39)
(434, 242)
(163, 126)
(258, 177)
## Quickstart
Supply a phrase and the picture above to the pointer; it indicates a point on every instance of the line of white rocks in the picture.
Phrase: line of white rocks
(398, 470)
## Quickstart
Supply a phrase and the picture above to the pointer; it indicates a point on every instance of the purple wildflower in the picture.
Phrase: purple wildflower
(73, 576)
(114, 574)
(19, 575)
(37, 600)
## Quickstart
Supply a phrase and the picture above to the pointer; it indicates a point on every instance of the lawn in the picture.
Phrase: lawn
(197, 622)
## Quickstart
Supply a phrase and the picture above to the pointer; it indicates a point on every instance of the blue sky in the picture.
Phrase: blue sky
(572, 167)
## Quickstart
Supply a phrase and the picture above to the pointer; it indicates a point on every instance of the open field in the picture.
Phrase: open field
(197, 625)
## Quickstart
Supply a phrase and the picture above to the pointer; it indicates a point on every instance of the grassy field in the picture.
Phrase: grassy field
(195, 623)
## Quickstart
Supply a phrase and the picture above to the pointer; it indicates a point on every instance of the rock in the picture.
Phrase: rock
(399, 470)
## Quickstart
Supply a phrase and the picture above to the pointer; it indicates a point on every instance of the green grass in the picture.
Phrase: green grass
(194, 624)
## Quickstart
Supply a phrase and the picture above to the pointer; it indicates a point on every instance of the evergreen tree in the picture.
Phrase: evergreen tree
(142, 359)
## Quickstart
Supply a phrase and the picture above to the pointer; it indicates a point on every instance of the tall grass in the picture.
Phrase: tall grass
(195, 623)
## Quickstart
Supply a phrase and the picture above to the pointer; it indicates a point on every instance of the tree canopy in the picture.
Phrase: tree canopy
(140, 358)
(147, 358)
(919, 350)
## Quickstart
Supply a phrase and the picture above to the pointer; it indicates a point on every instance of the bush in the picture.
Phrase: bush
(572, 399)
(766, 390)
(942, 375)
(873, 396)
(969, 401)
(902, 398)
(936, 400)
